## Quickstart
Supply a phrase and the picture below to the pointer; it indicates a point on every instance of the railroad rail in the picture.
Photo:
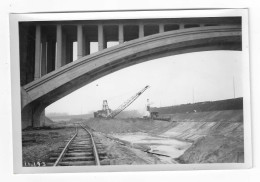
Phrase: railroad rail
(82, 149)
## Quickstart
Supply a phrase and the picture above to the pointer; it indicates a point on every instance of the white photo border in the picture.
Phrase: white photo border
(139, 14)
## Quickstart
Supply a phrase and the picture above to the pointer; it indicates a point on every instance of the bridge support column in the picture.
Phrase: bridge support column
(80, 41)
(39, 119)
(101, 42)
(141, 30)
(121, 33)
(37, 66)
(69, 50)
(64, 52)
(59, 47)
(105, 42)
(33, 116)
(44, 57)
(27, 117)
(86, 46)
(161, 28)
(51, 55)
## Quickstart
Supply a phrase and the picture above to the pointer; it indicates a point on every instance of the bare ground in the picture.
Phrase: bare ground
(215, 139)
(121, 153)
(215, 149)
(38, 144)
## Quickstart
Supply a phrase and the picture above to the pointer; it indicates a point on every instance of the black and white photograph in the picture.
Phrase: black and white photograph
(130, 90)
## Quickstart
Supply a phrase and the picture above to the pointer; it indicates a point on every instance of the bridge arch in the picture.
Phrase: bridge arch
(37, 95)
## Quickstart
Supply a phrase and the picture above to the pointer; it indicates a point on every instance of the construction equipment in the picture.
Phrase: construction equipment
(106, 112)
(150, 114)
(147, 114)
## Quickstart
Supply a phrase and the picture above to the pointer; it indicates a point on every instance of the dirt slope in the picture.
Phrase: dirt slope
(215, 149)
(127, 125)
(219, 105)
(212, 116)
(217, 136)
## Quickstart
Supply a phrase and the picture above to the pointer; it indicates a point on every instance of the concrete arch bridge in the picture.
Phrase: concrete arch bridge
(46, 52)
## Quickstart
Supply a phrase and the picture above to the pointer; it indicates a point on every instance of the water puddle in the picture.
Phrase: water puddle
(166, 148)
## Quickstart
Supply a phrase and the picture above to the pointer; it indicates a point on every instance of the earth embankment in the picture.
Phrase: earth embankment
(216, 136)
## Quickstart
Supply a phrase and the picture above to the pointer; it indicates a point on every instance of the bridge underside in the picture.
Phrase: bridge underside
(37, 95)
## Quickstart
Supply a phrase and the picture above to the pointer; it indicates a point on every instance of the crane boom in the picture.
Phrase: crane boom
(127, 103)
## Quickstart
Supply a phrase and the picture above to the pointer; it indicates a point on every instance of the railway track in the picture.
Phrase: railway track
(82, 149)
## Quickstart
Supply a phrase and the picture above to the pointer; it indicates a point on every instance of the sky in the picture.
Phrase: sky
(173, 80)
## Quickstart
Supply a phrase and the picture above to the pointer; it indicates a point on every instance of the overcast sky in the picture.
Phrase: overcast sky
(171, 79)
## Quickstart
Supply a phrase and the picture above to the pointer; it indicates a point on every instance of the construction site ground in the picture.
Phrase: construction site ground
(212, 137)
(38, 144)
(204, 137)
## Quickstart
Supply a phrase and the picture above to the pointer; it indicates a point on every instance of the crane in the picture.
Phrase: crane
(127, 103)
(107, 113)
